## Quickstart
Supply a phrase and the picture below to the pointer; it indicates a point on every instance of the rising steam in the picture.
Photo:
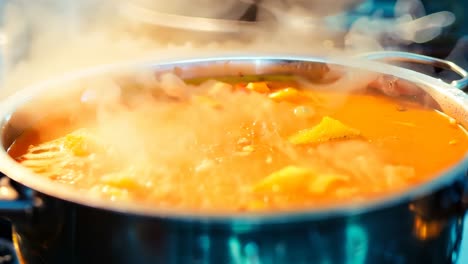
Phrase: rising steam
(44, 38)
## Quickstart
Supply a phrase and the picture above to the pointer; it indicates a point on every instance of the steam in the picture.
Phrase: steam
(410, 25)
(45, 38)
(229, 9)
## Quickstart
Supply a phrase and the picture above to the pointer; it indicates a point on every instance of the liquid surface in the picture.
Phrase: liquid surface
(246, 147)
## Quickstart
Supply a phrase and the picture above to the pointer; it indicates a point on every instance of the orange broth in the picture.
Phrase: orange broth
(232, 144)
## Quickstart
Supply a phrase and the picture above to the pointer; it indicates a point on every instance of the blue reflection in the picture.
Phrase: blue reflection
(356, 245)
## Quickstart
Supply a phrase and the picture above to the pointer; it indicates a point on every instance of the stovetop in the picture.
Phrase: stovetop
(464, 247)
(7, 255)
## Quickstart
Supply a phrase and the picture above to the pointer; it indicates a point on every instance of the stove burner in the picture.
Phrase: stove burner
(7, 253)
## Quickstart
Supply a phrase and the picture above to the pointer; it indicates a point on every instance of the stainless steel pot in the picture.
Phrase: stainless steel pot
(56, 224)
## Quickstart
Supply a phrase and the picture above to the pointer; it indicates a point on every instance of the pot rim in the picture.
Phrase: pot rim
(29, 179)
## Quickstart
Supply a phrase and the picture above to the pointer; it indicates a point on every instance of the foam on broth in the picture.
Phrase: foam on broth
(226, 147)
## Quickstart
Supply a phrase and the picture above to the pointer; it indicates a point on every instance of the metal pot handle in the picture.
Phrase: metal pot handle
(12, 205)
(400, 56)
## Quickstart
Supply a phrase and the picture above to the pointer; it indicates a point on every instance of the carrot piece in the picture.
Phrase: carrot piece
(259, 87)
(327, 129)
(121, 180)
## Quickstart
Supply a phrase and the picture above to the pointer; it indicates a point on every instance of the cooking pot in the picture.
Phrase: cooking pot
(53, 223)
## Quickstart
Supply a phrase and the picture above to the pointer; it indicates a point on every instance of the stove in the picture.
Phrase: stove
(7, 254)
(464, 246)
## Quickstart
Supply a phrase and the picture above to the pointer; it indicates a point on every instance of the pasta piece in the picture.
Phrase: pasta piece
(66, 158)
(327, 129)
(78, 142)
(286, 94)
(259, 87)
(292, 179)
(121, 180)
(63, 150)
(321, 183)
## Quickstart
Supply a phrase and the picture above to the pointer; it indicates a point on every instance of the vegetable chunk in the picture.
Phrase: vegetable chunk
(259, 87)
(327, 129)
(286, 94)
(294, 179)
(287, 179)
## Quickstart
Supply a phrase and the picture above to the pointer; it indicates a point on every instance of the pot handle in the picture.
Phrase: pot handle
(400, 56)
(12, 205)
